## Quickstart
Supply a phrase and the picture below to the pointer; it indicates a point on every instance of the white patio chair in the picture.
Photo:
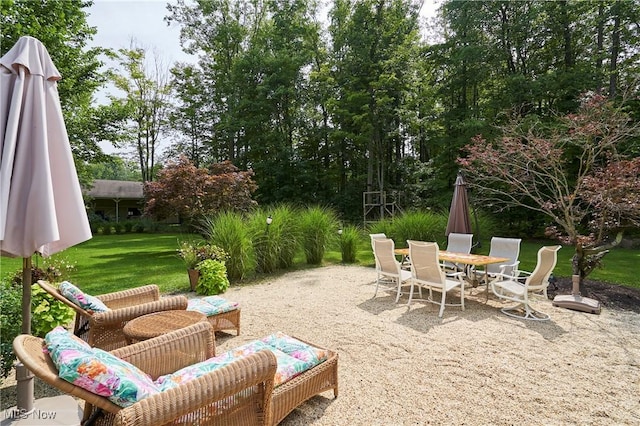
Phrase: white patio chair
(509, 288)
(501, 247)
(457, 243)
(426, 272)
(388, 268)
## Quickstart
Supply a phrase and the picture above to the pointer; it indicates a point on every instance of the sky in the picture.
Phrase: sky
(118, 22)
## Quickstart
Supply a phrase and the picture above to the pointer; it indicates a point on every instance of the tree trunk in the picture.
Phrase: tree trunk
(615, 49)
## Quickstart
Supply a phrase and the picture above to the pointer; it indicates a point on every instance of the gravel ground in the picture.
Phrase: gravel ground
(406, 366)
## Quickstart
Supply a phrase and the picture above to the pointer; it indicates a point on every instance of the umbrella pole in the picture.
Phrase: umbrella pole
(26, 295)
(24, 377)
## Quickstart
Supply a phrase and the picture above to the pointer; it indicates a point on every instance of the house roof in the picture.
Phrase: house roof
(116, 189)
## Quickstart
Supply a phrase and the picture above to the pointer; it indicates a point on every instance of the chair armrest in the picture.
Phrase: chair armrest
(216, 389)
(513, 266)
(172, 351)
(130, 297)
(128, 313)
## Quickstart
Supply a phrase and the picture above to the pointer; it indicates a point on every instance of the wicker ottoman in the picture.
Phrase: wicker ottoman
(221, 313)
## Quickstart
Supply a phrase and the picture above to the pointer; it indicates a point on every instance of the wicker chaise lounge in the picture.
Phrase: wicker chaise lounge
(173, 351)
(289, 395)
(237, 394)
(104, 329)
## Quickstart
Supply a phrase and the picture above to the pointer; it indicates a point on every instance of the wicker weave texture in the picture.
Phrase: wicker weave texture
(226, 321)
(238, 394)
(104, 329)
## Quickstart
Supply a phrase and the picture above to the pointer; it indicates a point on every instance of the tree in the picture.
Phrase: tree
(147, 90)
(62, 27)
(573, 172)
(190, 193)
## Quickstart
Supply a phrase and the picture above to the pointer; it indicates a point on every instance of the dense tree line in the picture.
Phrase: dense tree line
(366, 104)
(324, 104)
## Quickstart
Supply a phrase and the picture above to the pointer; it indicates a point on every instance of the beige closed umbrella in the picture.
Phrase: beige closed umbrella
(459, 220)
(41, 206)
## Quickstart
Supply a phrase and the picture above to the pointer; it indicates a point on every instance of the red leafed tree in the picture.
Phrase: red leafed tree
(574, 172)
(190, 193)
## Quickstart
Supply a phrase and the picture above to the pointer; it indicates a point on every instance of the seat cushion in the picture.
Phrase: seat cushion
(98, 371)
(288, 366)
(83, 300)
(211, 305)
(296, 348)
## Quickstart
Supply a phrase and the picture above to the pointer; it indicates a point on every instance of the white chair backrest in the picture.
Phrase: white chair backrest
(539, 278)
(460, 243)
(385, 257)
(504, 247)
(376, 236)
(425, 262)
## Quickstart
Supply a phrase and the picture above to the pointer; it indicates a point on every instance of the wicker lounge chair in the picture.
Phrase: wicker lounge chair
(104, 329)
(289, 395)
(238, 394)
(173, 351)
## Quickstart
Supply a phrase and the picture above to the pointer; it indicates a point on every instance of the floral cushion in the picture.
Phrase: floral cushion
(85, 301)
(296, 348)
(288, 367)
(98, 371)
(59, 343)
(211, 305)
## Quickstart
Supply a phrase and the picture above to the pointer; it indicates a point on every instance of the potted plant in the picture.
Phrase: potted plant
(213, 277)
(194, 253)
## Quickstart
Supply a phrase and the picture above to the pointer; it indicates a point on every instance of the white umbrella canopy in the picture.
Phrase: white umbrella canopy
(459, 220)
(41, 206)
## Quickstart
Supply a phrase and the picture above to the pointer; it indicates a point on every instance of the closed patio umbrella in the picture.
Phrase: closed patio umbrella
(459, 221)
(41, 206)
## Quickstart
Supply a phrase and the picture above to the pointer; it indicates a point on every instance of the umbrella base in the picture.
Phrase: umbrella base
(577, 303)
(24, 379)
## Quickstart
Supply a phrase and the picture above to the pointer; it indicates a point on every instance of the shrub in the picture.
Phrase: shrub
(213, 277)
(106, 228)
(118, 227)
(138, 226)
(349, 239)
(228, 231)
(47, 313)
(193, 253)
(418, 225)
(318, 226)
(10, 324)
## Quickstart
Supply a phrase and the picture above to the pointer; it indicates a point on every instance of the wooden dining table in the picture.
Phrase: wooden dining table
(463, 258)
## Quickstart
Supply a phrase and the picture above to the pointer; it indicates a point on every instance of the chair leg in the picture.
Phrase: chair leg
(410, 294)
(399, 292)
(442, 303)
(528, 314)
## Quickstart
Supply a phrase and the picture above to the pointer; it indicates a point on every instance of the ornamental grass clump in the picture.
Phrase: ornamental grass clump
(349, 238)
(318, 228)
(228, 231)
(275, 236)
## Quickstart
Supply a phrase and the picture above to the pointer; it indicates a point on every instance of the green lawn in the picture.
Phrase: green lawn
(115, 262)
